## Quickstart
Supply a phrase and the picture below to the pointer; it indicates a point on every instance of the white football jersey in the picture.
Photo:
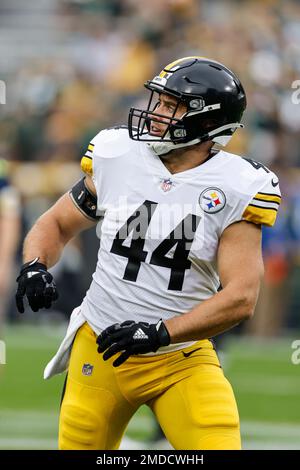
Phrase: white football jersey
(160, 231)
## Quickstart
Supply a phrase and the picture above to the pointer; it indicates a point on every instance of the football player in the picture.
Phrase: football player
(178, 218)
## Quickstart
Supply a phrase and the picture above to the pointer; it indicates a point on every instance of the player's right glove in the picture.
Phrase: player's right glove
(131, 338)
(37, 284)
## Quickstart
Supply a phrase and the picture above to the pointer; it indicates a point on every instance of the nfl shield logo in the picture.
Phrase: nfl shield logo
(87, 369)
(166, 184)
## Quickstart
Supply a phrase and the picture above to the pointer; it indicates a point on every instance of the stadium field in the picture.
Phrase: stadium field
(265, 381)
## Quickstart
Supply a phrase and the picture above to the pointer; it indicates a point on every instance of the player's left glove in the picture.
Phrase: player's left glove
(132, 338)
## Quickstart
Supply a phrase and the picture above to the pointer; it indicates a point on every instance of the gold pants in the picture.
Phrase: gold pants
(188, 393)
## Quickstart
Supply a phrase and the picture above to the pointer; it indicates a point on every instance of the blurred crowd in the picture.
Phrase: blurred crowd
(102, 51)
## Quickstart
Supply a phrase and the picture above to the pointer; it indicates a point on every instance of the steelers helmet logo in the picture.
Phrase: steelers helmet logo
(212, 200)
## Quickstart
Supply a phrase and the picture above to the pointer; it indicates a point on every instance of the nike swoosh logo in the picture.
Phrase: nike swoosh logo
(274, 184)
(187, 354)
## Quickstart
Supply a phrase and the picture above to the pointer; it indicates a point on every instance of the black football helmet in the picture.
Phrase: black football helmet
(214, 97)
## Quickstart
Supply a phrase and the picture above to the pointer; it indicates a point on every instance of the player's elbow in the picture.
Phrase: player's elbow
(245, 303)
(244, 294)
(247, 309)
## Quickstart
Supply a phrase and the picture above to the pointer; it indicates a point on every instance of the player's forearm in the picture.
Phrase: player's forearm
(214, 316)
(45, 240)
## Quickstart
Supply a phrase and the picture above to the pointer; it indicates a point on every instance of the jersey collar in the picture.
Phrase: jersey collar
(157, 168)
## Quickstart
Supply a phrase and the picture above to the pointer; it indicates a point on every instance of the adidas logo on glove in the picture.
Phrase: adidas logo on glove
(140, 334)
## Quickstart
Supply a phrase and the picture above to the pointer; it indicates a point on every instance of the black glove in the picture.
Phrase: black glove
(132, 338)
(37, 284)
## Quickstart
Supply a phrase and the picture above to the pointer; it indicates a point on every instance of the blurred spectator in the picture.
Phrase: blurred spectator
(9, 236)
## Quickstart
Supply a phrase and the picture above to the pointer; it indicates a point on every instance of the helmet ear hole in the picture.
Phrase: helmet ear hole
(209, 124)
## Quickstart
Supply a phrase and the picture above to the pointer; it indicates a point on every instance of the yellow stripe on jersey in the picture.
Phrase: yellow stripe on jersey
(87, 165)
(86, 161)
(268, 197)
(260, 215)
(167, 69)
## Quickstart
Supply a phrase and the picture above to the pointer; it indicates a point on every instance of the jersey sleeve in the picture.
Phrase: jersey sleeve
(263, 206)
(98, 162)
(252, 195)
(87, 160)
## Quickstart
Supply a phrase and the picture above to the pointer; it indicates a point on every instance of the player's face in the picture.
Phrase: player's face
(169, 107)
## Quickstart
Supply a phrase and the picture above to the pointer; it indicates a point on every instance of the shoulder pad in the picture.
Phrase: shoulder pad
(111, 143)
(108, 143)
(245, 175)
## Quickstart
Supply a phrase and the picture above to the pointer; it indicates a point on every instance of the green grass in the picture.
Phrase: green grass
(265, 382)
(28, 349)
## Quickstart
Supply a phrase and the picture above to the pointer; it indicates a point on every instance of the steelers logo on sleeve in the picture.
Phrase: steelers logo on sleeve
(212, 200)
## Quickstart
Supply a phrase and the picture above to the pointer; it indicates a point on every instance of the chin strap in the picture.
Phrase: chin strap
(160, 147)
